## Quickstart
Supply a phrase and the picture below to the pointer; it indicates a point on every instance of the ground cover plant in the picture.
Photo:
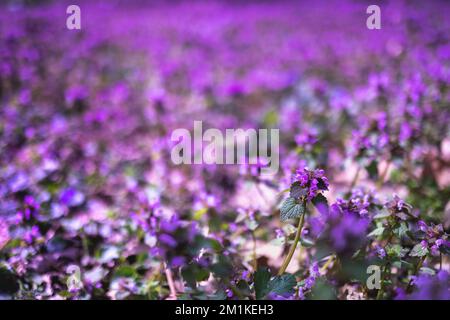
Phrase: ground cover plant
(92, 207)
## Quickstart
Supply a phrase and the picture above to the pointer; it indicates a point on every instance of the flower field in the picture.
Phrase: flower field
(93, 207)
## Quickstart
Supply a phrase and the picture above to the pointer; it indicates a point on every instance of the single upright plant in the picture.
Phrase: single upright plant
(307, 187)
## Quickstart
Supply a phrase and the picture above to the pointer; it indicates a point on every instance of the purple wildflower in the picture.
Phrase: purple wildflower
(312, 180)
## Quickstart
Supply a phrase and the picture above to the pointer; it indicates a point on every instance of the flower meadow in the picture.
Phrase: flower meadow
(92, 207)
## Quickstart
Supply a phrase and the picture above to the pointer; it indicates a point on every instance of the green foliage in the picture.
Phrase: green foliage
(372, 170)
(291, 209)
(418, 251)
(279, 285)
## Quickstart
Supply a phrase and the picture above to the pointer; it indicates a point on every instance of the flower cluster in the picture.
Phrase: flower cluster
(309, 282)
(429, 287)
(434, 238)
(312, 181)
(345, 230)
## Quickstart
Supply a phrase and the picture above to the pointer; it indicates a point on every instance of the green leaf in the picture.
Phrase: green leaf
(418, 251)
(323, 291)
(282, 284)
(9, 283)
(291, 209)
(188, 275)
(382, 214)
(125, 271)
(396, 251)
(402, 264)
(279, 285)
(243, 287)
(426, 270)
(377, 232)
(262, 278)
(402, 230)
(307, 243)
(223, 267)
(372, 170)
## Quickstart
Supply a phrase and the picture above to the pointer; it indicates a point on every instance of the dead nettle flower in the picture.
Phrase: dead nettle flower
(307, 138)
(434, 238)
(400, 209)
(359, 203)
(307, 187)
(364, 201)
(428, 287)
(380, 251)
(345, 229)
(371, 140)
(309, 183)
(307, 284)
(29, 211)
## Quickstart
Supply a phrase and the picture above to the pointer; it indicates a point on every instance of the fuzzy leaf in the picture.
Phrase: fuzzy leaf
(377, 232)
(382, 214)
(425, 270)
(372, 170)
(262, 278)
(307, 243)
(291, 209)
(418, 251)
(396, 251)
(283, 284)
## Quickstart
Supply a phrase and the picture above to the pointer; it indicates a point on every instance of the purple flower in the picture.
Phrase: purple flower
(381, 252)
(71, 197)
(434, 236)
(312, 180)
(430, 287)
(31, 234)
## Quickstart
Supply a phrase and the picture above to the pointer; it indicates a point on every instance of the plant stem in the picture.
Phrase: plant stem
(355, 178)
(383, 175)
(255, 259)
(327, 263)
(170, 282)
(294, 245)
(381, 290)
(380, 293)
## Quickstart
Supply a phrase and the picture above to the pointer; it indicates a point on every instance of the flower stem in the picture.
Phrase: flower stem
(294, 245)
(380, 293)
(254, 258)
(327, 264)
(380, 181)
(355, 178)
(170, 282)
